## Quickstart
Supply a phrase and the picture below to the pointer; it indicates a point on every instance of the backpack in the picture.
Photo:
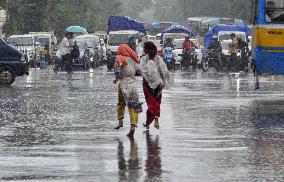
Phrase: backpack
(75, 52)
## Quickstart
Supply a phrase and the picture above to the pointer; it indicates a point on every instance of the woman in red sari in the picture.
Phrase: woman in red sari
(156, 77)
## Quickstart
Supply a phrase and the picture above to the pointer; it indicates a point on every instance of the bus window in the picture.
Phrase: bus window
(274, 11)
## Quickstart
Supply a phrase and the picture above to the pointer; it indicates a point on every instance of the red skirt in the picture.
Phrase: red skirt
(153, 99)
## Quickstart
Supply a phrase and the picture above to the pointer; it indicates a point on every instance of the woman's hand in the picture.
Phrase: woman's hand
(138, 73)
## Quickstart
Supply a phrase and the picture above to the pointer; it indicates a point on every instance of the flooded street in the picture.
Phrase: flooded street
(214, 127)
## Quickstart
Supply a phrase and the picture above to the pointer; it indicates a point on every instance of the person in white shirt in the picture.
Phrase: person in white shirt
(65, 49)
(156, 77)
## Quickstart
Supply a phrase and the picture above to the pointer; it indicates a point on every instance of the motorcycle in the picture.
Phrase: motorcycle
(189, 59)
(110, 60)
(169, 58)
(236, 62)
(95, 59)
(244, 61)
(211, 58)
(87, 59)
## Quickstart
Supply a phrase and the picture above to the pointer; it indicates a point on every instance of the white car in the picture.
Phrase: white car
(178, 50)
(151, 38)
(159, 36)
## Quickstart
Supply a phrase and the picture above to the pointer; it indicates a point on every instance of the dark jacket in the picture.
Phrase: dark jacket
(215, 45)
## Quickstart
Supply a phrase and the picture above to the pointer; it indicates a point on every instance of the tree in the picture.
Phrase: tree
(166, 10)
(52, 15)
(56, 15)
(134, 8)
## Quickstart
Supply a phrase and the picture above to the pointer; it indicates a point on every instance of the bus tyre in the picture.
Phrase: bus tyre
(7, 75)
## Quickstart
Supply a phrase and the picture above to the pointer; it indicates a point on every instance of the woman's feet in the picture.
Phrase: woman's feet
(146, 126)
(157, 124)
(132, 131)
(120, 125)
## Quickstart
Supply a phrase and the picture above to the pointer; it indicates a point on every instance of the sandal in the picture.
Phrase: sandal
(120, 125)
(157, 124)
(131, 132)
(146, 126)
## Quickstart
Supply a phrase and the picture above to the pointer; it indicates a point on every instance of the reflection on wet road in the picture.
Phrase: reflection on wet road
(214, 127)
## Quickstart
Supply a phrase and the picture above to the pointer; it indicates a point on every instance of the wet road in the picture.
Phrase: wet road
(214, 127)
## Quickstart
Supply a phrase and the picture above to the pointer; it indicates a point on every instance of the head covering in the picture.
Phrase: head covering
(125, 51)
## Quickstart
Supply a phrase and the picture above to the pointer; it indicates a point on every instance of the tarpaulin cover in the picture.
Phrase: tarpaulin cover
(215, 30)
(177, 29)
(116, 23)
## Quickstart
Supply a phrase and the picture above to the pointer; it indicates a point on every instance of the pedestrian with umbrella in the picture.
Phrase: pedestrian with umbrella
(65, 52)
(68, 48)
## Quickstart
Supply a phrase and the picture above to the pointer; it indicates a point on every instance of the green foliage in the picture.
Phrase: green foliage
(55, 15)
(134, 8)
(180, 10)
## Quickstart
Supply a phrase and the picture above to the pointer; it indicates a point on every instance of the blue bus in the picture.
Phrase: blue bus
(268, 38)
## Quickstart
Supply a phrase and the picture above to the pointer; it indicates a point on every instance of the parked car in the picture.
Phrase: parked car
(151, 38)
(103, 36)
(13, 63)
(159, 37)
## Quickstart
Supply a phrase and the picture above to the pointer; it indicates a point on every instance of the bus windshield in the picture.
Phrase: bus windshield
(274, 11)
(159, 27)
(42, 40)
(117, 39)
(21, 41)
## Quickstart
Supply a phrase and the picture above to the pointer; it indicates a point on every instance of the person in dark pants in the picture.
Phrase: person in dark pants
(216, 46)
(243, 46)
(65, 49)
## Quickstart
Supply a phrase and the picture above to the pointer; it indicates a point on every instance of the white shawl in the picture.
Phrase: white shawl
(155, 72)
